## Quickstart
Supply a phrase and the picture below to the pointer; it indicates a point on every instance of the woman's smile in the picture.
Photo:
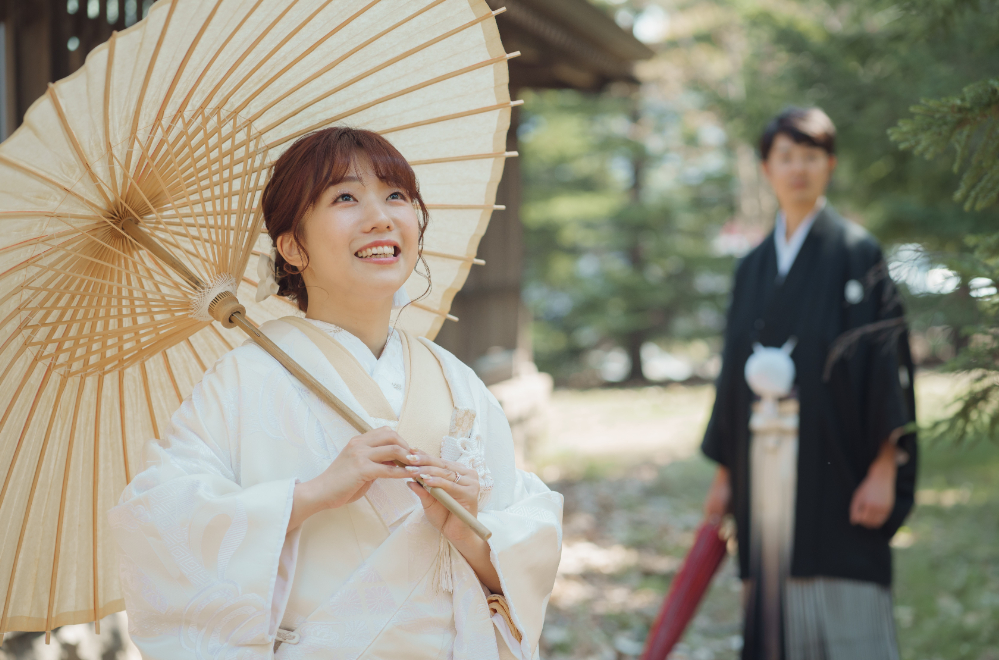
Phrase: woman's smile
(379, 252)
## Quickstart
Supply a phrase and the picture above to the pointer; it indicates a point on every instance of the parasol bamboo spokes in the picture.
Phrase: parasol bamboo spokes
(129, 203)
(138, 275)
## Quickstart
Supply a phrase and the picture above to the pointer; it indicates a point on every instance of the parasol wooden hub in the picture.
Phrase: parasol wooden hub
(223, 307)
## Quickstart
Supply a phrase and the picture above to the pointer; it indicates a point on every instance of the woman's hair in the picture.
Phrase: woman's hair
(803, 125)
(307, 169)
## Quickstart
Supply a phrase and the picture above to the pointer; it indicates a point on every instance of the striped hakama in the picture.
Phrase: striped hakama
(838, 619)
(801, 618)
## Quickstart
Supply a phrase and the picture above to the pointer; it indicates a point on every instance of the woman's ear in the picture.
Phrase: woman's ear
(289, 248)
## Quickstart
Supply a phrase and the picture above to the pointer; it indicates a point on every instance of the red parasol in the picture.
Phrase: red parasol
(686, 592)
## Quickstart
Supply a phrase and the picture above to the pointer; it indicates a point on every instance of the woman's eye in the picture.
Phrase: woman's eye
(398, 195)
(344, 197)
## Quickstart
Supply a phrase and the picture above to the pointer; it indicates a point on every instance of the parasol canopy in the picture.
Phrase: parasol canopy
(129, 213)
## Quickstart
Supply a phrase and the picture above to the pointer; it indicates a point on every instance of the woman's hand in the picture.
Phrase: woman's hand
(874, 499)
(460, 482)
(719, 498)
(365, 458)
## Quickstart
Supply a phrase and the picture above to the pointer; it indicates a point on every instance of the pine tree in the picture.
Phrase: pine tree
(969, 123)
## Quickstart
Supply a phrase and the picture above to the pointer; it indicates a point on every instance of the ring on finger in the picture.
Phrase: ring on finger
(457, 477)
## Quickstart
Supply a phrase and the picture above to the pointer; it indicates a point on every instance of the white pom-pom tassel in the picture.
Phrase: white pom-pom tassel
(201, 300)
(443, 579)
(770, 371)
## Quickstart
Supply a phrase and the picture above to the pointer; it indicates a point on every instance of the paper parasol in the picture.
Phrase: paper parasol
(129, 208)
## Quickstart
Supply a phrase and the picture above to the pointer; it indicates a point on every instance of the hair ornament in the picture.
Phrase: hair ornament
(266, 271)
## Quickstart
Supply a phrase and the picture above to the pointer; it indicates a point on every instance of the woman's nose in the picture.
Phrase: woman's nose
(380, 218)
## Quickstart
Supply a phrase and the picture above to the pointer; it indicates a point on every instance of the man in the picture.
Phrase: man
(818, 283)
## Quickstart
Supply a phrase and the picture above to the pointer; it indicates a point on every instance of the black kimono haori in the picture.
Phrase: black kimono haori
(853, 383)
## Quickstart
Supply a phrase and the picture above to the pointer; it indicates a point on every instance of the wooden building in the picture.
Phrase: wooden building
(563, 44)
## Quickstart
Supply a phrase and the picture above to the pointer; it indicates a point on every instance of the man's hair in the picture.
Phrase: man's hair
(803, 125)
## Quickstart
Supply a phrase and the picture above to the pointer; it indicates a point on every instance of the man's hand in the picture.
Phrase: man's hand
(719, 498)
(874, 499)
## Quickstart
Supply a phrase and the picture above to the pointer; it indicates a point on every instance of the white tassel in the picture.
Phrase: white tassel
(443, 580)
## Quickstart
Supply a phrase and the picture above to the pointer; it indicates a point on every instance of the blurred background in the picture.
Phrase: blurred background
(597, 318)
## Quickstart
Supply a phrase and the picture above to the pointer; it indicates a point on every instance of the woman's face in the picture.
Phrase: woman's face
(799, 173)
(362, 240)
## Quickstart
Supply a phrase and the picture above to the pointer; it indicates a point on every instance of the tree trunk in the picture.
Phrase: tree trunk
(638, 163)
(635, 340)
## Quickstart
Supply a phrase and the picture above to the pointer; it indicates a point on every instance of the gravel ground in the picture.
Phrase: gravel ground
(627, 462)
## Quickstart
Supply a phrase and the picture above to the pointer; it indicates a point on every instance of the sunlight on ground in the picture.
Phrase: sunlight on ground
(614, 428)
(629, 466)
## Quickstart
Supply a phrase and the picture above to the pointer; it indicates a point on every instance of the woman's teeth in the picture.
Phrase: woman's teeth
(377, 251)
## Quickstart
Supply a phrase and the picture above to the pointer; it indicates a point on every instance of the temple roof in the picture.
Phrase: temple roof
(566, 44)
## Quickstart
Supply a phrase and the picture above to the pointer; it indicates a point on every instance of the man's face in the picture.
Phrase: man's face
(798, 173)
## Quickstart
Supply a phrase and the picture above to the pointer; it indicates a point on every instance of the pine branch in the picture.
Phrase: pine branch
(968, 122)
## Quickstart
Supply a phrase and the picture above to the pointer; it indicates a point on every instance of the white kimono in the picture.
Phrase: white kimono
(208, 569)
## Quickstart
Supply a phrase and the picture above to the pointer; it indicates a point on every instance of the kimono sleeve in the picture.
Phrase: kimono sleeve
(889, 368)
(877, 361)
(204, 562)
(525, 518)
(720, 434)
(889, 396)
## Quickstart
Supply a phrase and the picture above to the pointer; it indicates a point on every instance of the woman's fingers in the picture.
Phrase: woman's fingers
(454, 473)
(386, 453)
(426, 499)
(463, 470)
(421, 458)
(424, 471)
(383, 471)
(383, 436)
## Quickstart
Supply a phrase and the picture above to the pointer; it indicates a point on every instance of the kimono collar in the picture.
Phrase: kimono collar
(388, 370)
(787, 249)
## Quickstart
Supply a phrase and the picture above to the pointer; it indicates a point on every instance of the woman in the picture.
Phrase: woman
(263, 525)
(817, 286)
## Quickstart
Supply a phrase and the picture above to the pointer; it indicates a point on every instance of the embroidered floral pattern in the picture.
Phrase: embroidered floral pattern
(459, 446)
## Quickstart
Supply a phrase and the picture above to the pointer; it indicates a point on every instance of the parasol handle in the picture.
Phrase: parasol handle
(238, 319)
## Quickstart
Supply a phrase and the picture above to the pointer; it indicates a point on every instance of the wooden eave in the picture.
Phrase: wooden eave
(566, 44)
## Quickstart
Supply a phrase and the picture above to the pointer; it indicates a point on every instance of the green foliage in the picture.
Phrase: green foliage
(976, 412)
(618, 251)
(865, 62)
(969, 123)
